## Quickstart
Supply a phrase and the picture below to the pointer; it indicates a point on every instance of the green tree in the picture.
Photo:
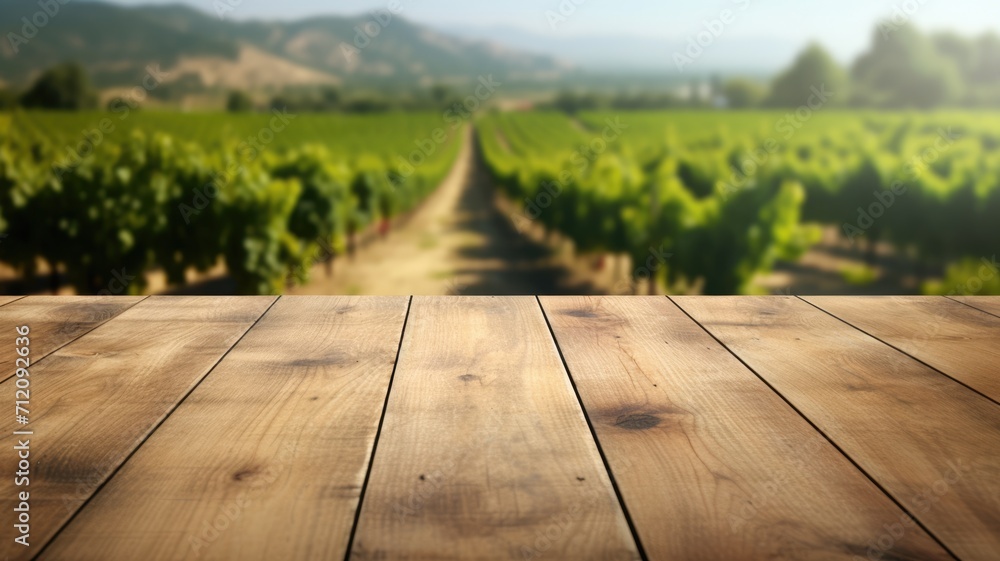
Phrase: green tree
(961, 52)
(8, 99)
(330, 98)
(571, 102)
(987, 68)
(903, 69)
(65, 86)
(239, 102)
(741, 93)
(813, 69)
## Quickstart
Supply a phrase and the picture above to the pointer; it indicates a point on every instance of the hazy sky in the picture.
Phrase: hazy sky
(844, 26)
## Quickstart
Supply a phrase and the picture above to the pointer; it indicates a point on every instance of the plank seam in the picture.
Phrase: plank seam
(826, 437)
(973, 307)
(12, 301)
(149, 434)
(593, 434)
(78, 337)
(378, 433)
(894, 347)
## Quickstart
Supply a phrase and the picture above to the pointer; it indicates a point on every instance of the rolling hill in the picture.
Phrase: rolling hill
(201, 51)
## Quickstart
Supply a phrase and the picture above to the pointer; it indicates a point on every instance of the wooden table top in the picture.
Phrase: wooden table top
(605, 428)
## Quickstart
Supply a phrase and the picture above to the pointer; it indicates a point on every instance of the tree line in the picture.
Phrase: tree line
(903, 69)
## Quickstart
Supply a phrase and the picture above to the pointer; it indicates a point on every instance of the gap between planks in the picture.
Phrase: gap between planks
(186, 338)
(378, 433)
(819, 430)
(52, 335)
(149, 434)
(593, 434)
(873, 401)
(976, 379)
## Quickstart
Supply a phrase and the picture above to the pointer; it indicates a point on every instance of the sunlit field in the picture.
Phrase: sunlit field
(268, 195)
(716, 200)
(728, 194)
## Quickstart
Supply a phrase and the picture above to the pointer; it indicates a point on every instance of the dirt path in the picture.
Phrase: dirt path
(457, 242)
(461, 240)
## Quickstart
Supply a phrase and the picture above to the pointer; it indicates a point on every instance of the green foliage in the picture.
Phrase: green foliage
(986, 70)
(929, 184)
(961, 52)
(741, 93)
(239, 102)
(903, 69)
(612, 201)
(139, 202)
(859, 275)
(64, 87)
(813, 69)
(969, 277)
(8, 99)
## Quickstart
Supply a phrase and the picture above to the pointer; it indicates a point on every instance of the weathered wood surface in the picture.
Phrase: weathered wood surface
(698, 443)
(988, 304)
(485, 452)
(930, 442)
(296, 404)
(961, 342)
(94, 401)
(56, 321)
(683, 428)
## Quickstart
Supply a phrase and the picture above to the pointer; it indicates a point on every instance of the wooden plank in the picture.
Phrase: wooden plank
(988, 304)
(95, 400)
(961, 342)
(930, 442)
(4, 300)
(484, 451)
(55, 321)
(700, 445)
(266, 458)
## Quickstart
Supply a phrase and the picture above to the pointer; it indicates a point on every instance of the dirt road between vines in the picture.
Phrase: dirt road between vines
(463, 241)
(457, 242)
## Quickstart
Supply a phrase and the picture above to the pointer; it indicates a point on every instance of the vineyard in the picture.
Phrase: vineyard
(699, 201)
(706, 201)
(108, 197)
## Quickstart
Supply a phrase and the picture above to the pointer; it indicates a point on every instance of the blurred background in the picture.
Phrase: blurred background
(522, 147)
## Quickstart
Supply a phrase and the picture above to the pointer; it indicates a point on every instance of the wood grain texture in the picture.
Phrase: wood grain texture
(930, 442)
(484, 451)
(988, 304)
(266, 458)
(4, 300)
(95, 400)
(56, 321)
(962, 342)
(699, 444)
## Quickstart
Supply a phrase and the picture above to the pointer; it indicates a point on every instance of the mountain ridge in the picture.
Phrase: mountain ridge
(352, 50)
